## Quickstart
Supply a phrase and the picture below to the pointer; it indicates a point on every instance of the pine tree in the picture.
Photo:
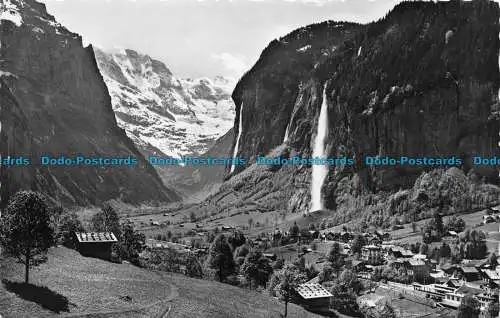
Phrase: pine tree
(220, 258)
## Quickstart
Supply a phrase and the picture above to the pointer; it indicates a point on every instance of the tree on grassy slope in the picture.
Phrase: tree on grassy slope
(336, 258)
(285, 281)
(256, 269)
(107, 220)
(131, 244)
(220, 258)
(69, 223)
(25, 231)
(345, 290)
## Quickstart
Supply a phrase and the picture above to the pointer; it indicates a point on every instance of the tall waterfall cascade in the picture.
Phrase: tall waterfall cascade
(236, 147)
(319, 172)
(287, 131)
(285, 139)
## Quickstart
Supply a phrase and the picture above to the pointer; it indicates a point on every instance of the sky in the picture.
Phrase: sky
(197, 38)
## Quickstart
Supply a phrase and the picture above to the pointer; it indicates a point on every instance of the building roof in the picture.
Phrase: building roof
(491, 274)
(472, 262)
(420, 256)
(95, 237)
(469, 270)
(312, 290)
(371, 247)
(454, 283)
(416, 262)
(407, 253)
(315, 280)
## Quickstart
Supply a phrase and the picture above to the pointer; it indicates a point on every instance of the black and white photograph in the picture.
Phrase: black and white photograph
(249, 158)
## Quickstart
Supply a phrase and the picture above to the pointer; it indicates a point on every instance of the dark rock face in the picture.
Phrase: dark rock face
(395, 87)
(270, 89)
(55, 102)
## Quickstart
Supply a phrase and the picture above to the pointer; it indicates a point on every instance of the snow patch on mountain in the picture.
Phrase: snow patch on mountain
(177, 116)
(9, 10)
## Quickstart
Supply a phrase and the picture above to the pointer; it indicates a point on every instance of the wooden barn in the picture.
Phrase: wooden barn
(314, 297)
(95, 244)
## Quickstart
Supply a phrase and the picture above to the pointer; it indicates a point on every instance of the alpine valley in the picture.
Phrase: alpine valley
(422, 81)
(171, 117)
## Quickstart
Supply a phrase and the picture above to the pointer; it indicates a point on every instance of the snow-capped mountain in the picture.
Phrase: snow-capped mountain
(177, 116)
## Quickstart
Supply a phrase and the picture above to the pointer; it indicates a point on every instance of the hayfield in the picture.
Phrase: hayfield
(71, 285)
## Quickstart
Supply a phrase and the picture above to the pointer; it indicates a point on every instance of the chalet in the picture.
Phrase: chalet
(454, 299)
(467, 274)
(95, 244)
(372, 254)
(420, 256)
(448, 269)
(398, 252)
(478, 263)
(398, 263)
(419, 269)
(407, 253)
(314, 297)
(435, 291)
(490, 276)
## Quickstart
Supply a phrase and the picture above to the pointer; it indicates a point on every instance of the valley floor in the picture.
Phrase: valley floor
(71, 285)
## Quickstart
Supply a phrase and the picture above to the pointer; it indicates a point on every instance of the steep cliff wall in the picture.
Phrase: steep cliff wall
(422, 81)
(55, 84)
(395, 86)
(270, 89)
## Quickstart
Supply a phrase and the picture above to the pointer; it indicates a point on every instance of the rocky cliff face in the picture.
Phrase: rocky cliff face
(54, 101)
(177, 116)
(404, 85)
(270, 90)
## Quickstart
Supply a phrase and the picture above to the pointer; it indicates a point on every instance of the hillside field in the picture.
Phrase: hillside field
(70, 285)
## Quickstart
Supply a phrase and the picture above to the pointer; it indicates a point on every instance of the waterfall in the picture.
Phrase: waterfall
(240, 129)
(319, 172)
(286, 131)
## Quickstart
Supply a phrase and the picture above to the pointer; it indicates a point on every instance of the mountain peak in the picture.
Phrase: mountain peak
(177, 116)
